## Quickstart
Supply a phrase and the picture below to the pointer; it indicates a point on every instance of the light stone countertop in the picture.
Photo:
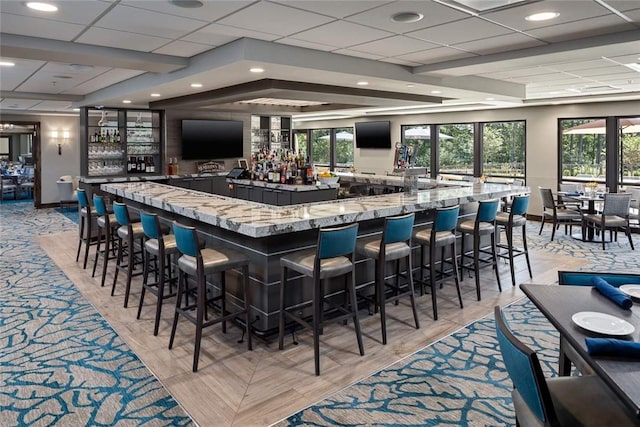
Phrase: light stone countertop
(261, 220)
(143, 178)
(284, 187)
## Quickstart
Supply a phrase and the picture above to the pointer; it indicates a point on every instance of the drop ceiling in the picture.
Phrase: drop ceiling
(456, 57)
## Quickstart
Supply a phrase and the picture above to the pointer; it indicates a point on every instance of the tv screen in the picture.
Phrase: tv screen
(373, 134)
(211, 139)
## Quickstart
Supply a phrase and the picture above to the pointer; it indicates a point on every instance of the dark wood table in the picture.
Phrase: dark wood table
(559, 303)
(591, 209)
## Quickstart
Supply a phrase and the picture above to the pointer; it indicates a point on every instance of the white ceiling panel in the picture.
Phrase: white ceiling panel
(102, 81)
(291, 41)
(57, 78)
(436, 55)
(581, 29)
(595, 73)
(519, 72)
(36, 27)
(498, 44)
(623, 5)
(560, 78)
(53, 105)
(400, 62)
(357, 54)
(333, 8)
(17, 104)
(399, 45)
(69, 11)
(210, 10)
(182, 48)
(434, 14)
(217, 34)
(11, 77)
(274, 18)
(121, 39)
(465, 30)
(342, 34)
(582, 65)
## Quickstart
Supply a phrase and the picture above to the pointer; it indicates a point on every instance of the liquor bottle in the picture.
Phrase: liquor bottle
(134, 165)
(176, 167)
(129, 164)
(152, 167)
(142, 166)
(170, 167)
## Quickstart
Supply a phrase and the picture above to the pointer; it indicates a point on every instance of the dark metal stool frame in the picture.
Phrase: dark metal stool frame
(484, 224)
(333, 257)
(516, 217)
(199, 263)
(128, 233)
(440, 235)
(108, 225)
(394, 245)
(160, 248)
(86, 220)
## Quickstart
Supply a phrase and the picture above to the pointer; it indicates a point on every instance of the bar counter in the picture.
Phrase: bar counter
(266, 232)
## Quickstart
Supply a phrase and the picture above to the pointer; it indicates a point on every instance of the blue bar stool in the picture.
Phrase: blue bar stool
(516, 217)
(199, 263)
(393, 245)
(107, 234)
(333, 257)
(87, 216)
(161, 248)
(483, 225)
(128, 234)
(441, 235)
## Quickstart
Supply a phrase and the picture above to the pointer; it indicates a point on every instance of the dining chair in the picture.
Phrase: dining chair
(614, 217)
(557, 213)
(8, 187)
(558, 401)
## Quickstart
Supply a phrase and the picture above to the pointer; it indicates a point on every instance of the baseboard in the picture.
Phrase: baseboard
(56, 205)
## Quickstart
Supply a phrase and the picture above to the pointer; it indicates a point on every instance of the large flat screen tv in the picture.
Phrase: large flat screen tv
(373, 134)
(211, 139)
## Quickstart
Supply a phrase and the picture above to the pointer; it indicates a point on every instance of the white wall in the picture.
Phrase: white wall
(542, 135)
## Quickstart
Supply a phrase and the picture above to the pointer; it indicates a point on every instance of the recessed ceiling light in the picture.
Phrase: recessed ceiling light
(362, 83)
(76, 109)
(187, 4)
(406, 17)
(542, 16)
(7, 64)
(256, 70)
(196, 84)
(436, 92)
(490, 99)
(409, 85)
(126, 101)
(154, 95)
(42, 7)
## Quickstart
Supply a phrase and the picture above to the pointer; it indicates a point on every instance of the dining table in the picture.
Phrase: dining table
(564, 305)
(590, 199)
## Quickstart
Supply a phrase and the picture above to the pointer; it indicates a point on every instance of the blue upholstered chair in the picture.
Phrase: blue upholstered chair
(483, 225)
(128, 233)
(107, 226)
(332, 257)
(87, 215)
(393, 245)
(199, 263)
(558, 401)
(516, 217)
(440, 236)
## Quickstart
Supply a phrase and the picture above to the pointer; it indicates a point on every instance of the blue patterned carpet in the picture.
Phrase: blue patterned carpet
(60, 361)
(460, 380)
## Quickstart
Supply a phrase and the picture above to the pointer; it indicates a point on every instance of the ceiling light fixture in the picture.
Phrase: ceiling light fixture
(7, 64)
(42, 7)
(409, 85)
(489, 99)
(256, 70)
(435, 92)
(407, 17)
(154, 95)
(187, 4)
(634, 66)
(196, 84)
(362, 83)
(126, 101)
(542, 16)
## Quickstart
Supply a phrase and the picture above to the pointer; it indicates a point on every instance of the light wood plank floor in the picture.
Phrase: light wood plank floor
(236, 387)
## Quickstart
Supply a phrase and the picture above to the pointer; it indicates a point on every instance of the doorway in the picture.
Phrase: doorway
(20, 158)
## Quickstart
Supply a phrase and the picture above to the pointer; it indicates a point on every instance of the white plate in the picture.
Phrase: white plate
(602, 323)
(631, 290)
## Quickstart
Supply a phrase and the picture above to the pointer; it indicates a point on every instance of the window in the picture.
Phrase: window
(503, 149)
(321, 147)
(456, 149)
(300, 143)
(331, 147)
(583, 149)
(629, 131)
(343, 147)
(418, 136)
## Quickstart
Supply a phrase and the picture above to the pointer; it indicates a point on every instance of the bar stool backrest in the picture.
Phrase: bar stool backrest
(335, 242)
(519, 205)
(186, 239)
(121, 213)
(99, 205)
(150, 225)
(547, 198)
(82, 198)
(617, 204)
(487, 210)
(398, 229)
(446, 218)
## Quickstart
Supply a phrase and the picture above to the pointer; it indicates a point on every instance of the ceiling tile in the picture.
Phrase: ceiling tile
(139, 21)
(17, 104)
(333, 8)
(582, 65)
(274, 18)
(498, 44)
(596, 73)
(36, 27)
(460, 31)
(357, 54)
(217, 35)
(439, 54)
(434, 14)
(623, 5)
(53, 105)
(401, 62)
(394, 46)
(210, 10)
(182, 48)
(121, 39)
(102, 81)
(74, 12)
(301, 43)
(11, 77)
(582, 29)
(342, 34)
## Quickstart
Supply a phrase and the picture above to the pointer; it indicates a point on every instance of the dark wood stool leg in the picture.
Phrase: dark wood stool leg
(87, 241)
(432, 275)
(412, 296)
(455, 271)
(181, 290)
(95, 259)
(354, 309)
(380, 264)
(81, 229)
(317, 309)
(283, 281)
(247, 303)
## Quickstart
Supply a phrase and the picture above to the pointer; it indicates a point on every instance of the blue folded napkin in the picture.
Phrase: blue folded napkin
(575, 193)
(612, 347)
(612, 292)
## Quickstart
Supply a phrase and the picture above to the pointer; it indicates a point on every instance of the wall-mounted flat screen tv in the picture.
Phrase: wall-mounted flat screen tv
(211, 139)
(373, 134)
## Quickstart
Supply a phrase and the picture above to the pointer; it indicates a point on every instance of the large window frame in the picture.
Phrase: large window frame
(498, 162)
(330, 147)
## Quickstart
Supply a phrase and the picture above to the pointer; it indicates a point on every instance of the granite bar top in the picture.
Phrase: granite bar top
(261, 220)
(388, 180)
(283, 187)
(143, 178)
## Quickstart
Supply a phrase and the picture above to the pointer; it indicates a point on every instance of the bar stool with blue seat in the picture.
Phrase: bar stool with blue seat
(161, 248)
(483, 225)
(332, 257)
(87, 216)
(199, 263)
(516, 217)
(393, 245)
(129, 233)
(107, 226)
(441, 235)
